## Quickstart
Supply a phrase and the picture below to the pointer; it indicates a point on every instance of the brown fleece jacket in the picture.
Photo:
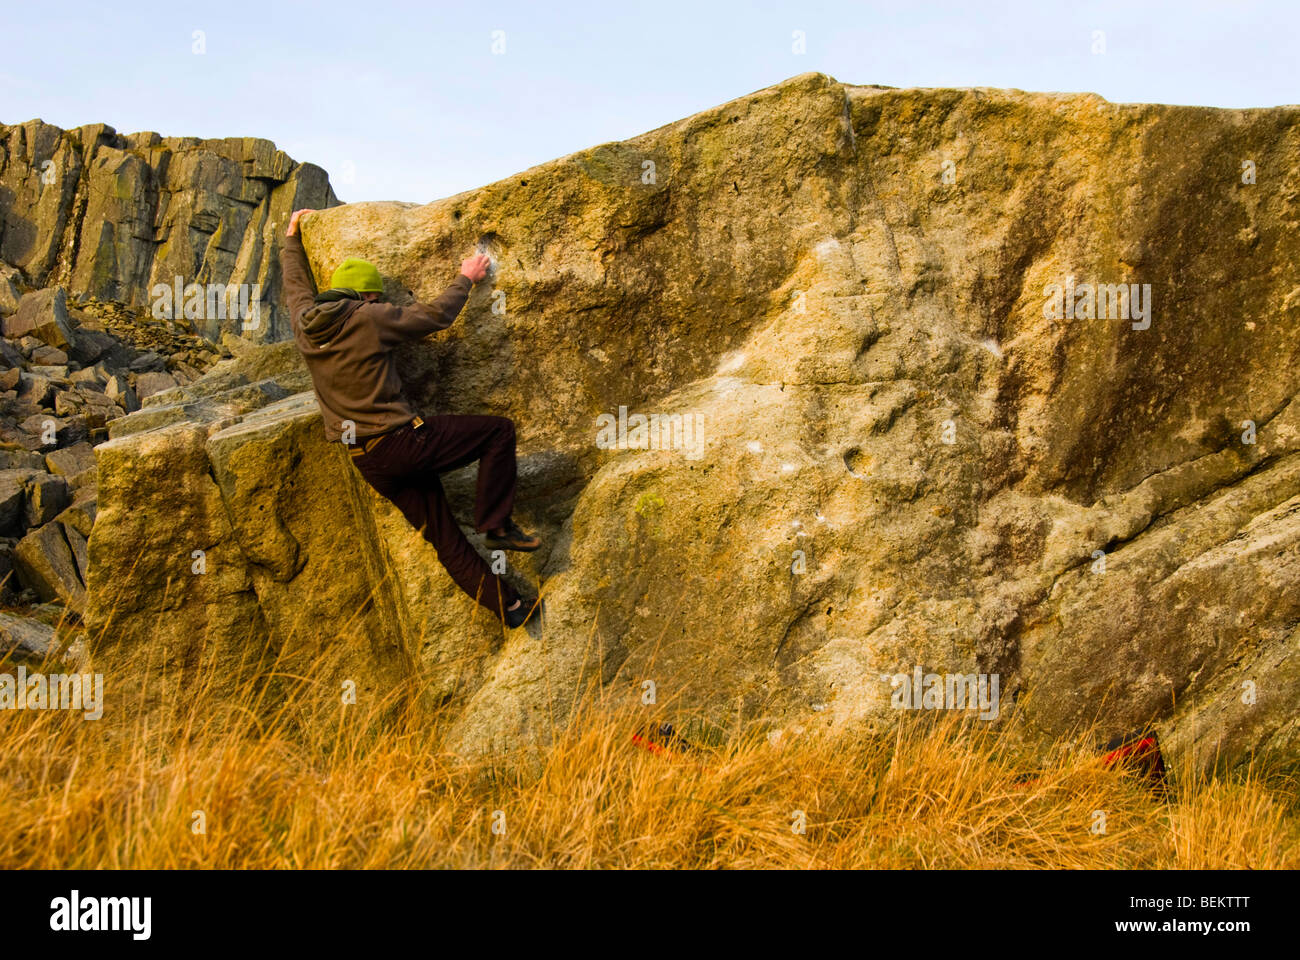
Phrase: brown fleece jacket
(347, 344)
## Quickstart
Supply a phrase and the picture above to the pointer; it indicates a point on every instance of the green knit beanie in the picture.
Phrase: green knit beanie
(358, 275)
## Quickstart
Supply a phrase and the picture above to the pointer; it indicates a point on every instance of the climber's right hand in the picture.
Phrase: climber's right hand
(293, 221)
(476, 266)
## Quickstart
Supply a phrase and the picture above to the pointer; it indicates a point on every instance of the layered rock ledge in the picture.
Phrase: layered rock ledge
(110, 217)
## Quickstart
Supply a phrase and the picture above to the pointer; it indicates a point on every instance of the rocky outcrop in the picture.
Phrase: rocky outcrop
(120, 218)
(903, 421)
(64, 379)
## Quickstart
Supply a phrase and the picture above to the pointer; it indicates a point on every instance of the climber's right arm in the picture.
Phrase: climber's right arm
(299, 286)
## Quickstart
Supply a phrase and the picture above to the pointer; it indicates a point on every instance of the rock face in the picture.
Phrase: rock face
(903, 420)
(110, 217)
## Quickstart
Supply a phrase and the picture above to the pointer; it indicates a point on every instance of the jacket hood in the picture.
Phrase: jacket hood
(322, 322)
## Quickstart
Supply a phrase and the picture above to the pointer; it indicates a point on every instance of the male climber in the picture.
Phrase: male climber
(346, 336)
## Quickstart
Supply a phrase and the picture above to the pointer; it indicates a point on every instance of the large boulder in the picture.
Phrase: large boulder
(880, 444)
(44, 315)
(46, 563)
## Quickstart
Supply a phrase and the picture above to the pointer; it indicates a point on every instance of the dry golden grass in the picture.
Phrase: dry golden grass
(283, 787)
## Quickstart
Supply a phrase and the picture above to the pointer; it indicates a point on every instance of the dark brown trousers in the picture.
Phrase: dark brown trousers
(403, 466)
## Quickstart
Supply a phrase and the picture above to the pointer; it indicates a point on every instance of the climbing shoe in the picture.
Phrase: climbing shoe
(513, 539)
(520, 614)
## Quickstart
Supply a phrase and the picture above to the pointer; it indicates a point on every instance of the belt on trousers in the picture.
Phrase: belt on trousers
(366, 444)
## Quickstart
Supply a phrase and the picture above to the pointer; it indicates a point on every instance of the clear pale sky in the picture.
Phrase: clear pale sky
(407, 101)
